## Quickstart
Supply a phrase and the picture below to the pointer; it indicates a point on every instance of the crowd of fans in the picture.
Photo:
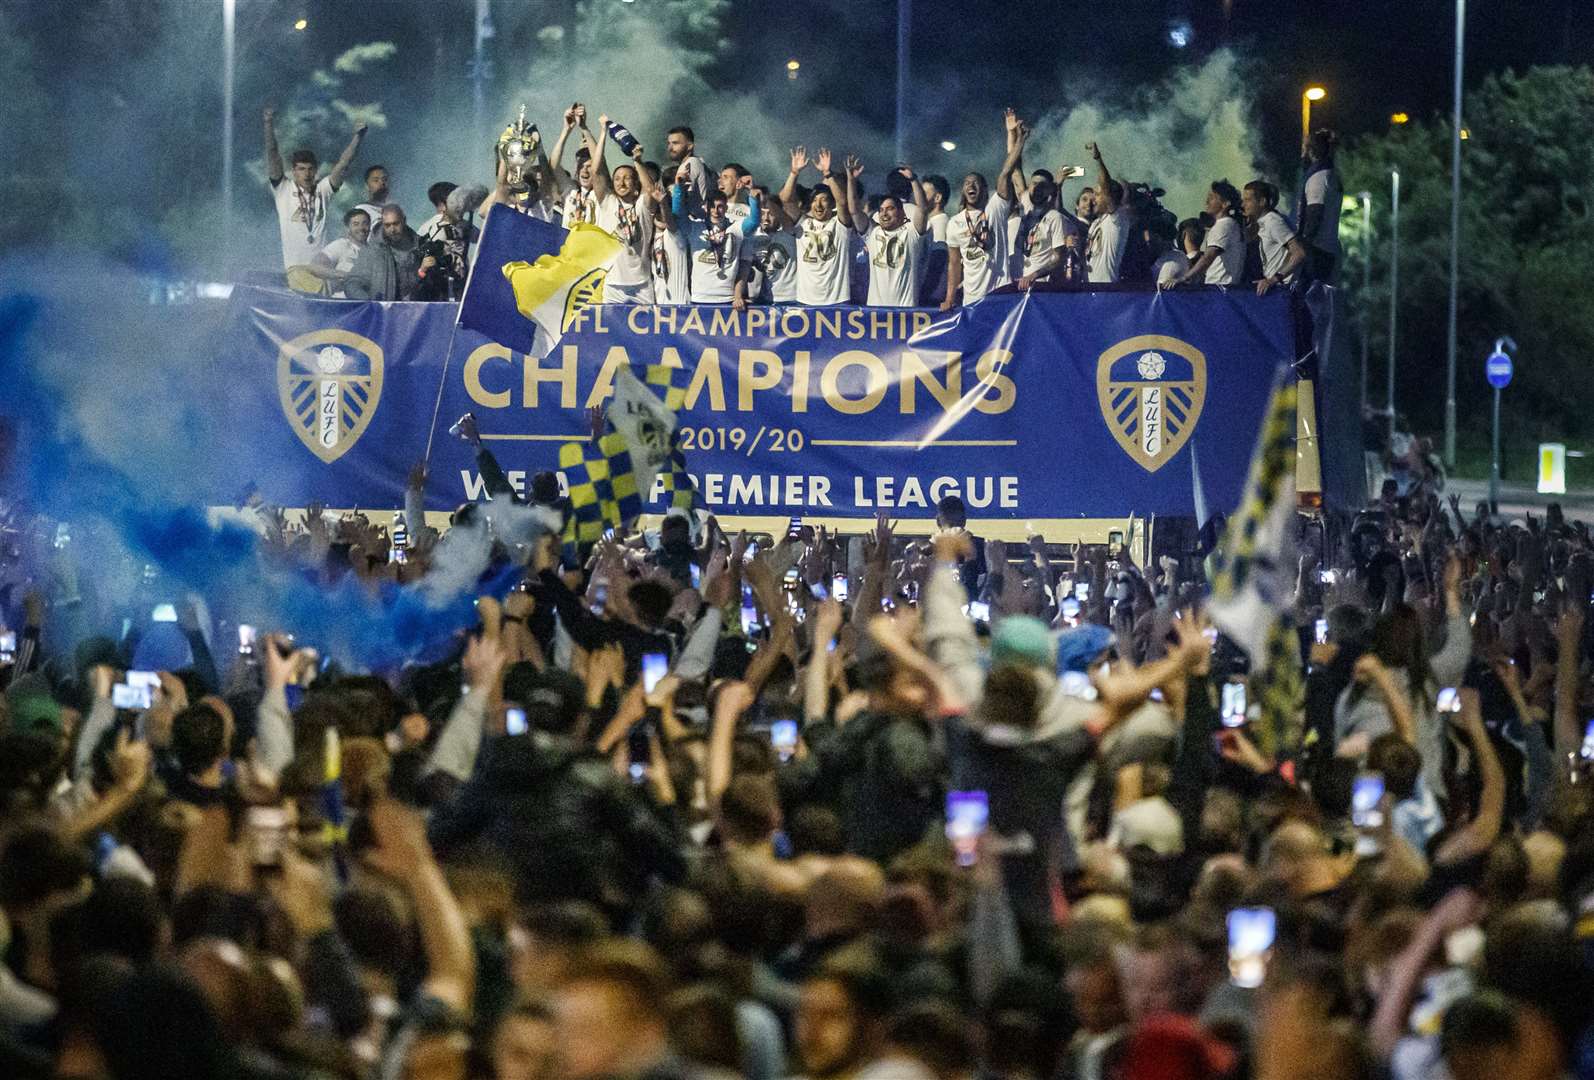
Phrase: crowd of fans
(689, 234)
(839, 807)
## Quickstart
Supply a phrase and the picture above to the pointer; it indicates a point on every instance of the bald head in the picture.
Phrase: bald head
(845, 899)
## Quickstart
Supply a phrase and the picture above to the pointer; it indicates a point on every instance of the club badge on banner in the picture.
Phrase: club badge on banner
(1033, 409)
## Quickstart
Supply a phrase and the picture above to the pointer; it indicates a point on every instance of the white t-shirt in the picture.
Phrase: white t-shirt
(775, 256)
(302, 216)
(580, 205)
(671, 268)
(342, 252)
(716, 260)
(980, 238)
(1044, 236)
(737, 211)
(1229, 267)
(895, 256)
(824, 261)
(1274, 234)
(430, 229)
(937, 224)
(1323, 189)
(1169, 267)
(631, 224)
(1109, 233)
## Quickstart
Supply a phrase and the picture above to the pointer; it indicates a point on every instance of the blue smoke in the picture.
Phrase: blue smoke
(106, 428)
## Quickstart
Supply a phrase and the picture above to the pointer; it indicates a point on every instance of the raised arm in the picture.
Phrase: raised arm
(856, 214)
(921, 209)
(345, 159)
(1017, 135)
(788, 190)
(557, 163)
(595, 144)
(274, 170)
(1475, 838)
(1104, 182)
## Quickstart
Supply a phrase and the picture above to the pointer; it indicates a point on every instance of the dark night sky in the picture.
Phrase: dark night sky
(1375, 56)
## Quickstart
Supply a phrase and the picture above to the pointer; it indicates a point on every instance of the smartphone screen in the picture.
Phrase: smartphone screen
(655, 665)
(8, 646)
(1449, 700)
(514, 721)
(967, 813)
(1082, 591)
(795, 528)
(163, 613)
(1070, 610)
(266, 833)
(246, 640)
(637, 754)
(600, 597)
(124, 696)
(783, 737)
(149, 680)
(697, 574)
(819, 591)
(979, 612)
(838, 587)
(1588, 741)
(1320, 632)
(1251, 934)
(1233, 710)
(1366, 795)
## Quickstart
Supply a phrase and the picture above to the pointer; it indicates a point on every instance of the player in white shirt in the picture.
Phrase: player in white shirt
(824, 252)
(772, 253)
(977, 235)
(671, 263)
(895, 242)
(333, 262)
(303, 202)
(932, 271)
(578, 203)
(1167, 262)
(625, 211)
(1282, 251)
(714, 245)
(1222, 259)
(378, 192)
(690, 171)
(735, 182)
(1042, 236)
(1109, 225)
(1319, 218)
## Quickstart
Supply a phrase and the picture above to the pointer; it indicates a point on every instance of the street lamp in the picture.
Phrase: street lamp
(948, 145)
(1457, 133)
(301, 24)
(1394, 287)
(1366, 199)
(229, 20)
(792, 67)
(1309, 95)
(1399, 118)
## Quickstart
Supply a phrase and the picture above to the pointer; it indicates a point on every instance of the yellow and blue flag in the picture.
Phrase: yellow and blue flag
(531, 278)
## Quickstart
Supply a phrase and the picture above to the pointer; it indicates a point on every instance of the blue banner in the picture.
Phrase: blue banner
(1032, 408)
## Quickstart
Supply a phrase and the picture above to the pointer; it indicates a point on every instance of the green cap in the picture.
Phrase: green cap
(1022, 639)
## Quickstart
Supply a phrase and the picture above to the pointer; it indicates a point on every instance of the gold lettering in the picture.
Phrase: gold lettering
(707, 374)
(855, 324)
(921, 321)
(565, 376)
(800, 315)
(881, 324)
(693, 323)
(723, 322)
(830, 378)
(632, 316)
(603, 386)
(989, 371)
(747, 382)
(915, 372)
(664, 319)
(490, 399)
(827, 321)
(799, 382)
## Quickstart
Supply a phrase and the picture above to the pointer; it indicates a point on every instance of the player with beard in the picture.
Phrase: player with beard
(824, 252)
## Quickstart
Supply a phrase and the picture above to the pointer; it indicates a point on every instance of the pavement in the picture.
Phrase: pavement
(1518, 499)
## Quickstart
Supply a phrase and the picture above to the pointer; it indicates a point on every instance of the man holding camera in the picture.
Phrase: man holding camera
(393, 264)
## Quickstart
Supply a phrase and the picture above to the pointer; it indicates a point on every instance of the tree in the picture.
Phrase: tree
(1526, 239)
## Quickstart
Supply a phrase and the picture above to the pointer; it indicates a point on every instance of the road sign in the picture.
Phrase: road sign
(1497, 369)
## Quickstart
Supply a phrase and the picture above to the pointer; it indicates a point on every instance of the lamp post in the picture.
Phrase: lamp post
(1456, 135)
(1309, 95)
(1366, 199)
(1394, 286)
(904, 35)
(229, 26)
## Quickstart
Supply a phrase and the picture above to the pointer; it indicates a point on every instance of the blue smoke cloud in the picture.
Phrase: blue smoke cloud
(108, 427)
